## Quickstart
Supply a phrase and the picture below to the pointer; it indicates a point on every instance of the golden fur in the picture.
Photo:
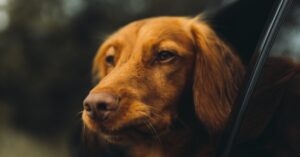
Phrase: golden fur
(171, 107)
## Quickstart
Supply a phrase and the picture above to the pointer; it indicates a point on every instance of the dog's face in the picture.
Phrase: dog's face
(144, 68)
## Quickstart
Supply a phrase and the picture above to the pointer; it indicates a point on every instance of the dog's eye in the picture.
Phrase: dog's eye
(164, 56)
(110, 60)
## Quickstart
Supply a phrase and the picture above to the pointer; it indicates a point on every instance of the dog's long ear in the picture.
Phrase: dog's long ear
(217, 77)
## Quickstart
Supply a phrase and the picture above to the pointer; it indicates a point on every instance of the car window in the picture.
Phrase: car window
(270, 126)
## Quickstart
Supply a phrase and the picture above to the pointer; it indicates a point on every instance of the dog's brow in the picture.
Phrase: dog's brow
(171, 45)
(111, 51)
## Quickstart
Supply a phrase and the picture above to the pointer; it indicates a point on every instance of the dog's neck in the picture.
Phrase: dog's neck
(187, 137)
(181, 141)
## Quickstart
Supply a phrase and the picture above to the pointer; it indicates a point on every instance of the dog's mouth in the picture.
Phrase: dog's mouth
(133, 131)
(127, 133)
(114, 138)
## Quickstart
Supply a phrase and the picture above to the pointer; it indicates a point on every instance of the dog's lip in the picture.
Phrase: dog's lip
(118, 135)
(110, 132)
(124, 128)
(114, 138)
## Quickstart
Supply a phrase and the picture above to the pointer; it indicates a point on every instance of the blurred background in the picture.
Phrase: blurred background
(46, 51)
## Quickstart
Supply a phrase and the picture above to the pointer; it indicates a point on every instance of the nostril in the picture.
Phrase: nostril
(87, 107)
(102, 107)
(90, 111)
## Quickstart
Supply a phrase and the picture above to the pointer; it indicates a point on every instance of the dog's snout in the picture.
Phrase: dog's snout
(100, 106)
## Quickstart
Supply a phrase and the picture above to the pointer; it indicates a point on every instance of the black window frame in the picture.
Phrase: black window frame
(259, 57)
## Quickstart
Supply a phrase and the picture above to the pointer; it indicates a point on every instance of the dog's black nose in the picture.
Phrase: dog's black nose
(100, 106)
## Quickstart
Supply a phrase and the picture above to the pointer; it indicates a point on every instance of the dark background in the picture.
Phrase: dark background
(46, 51)
(47, 47)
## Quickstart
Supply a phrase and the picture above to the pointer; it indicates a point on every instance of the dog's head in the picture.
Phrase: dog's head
(145, 70)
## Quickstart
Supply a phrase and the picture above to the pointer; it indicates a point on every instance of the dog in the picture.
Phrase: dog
(167, 88)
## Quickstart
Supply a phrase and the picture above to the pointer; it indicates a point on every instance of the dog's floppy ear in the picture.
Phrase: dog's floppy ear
(217, 76)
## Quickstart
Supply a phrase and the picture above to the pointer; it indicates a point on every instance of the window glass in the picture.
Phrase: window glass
(270, 126)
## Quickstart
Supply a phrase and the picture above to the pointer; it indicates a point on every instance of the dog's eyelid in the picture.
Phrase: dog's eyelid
(164, 56)
(110, 55)
(171, 46)
(167, 49)
(110, 59)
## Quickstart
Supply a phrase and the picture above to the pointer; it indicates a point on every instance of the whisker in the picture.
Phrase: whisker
(83, 134)
(153, 131)
(155, 109)
(79, 113)
(155, 112)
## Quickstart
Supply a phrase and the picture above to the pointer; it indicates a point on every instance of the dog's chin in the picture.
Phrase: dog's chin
(131, 135)
(115, 138)
(126, 135)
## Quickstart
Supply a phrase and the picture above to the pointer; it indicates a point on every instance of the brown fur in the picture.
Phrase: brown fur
(170, 108)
